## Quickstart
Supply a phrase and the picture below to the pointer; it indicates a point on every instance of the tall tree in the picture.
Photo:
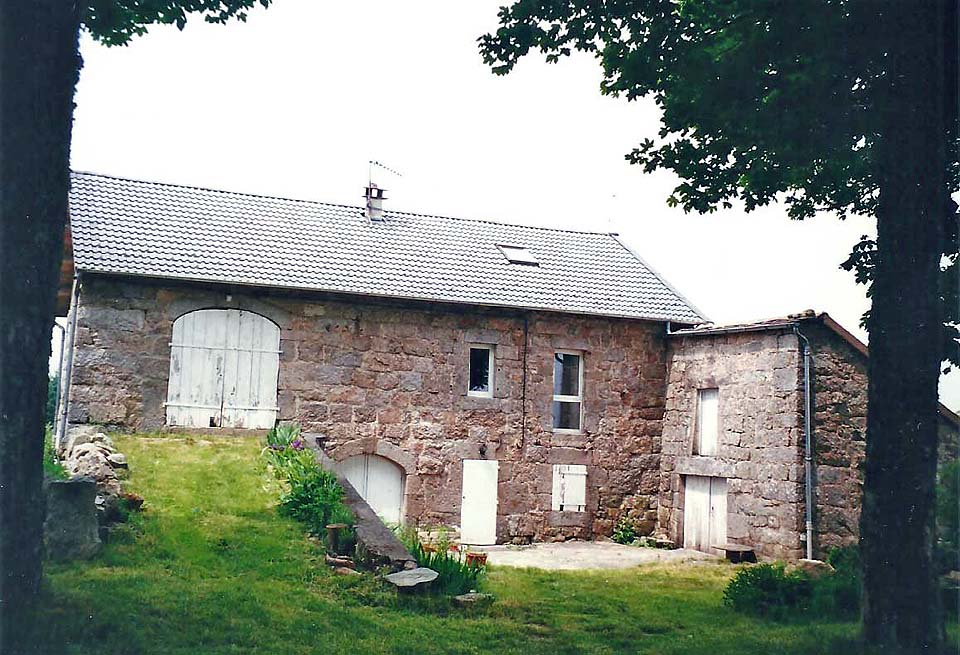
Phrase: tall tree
(842, 106)
(39, 67)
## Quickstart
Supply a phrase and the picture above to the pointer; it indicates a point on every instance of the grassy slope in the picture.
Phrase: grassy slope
(211, 568)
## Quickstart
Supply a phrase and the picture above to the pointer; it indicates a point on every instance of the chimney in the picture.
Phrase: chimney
(374, 196)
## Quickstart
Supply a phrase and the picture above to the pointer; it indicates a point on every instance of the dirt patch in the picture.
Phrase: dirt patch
(585, 555)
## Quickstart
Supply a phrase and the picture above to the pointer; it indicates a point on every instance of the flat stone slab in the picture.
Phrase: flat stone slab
(412, 578)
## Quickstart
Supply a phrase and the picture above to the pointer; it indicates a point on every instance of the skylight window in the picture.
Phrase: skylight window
(518, 255)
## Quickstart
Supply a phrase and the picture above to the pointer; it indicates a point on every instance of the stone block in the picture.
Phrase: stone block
(71, 529)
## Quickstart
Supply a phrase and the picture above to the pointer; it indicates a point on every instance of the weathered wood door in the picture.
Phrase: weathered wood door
(379, 481)
(478, 503)
(704, 513)
(224, 365)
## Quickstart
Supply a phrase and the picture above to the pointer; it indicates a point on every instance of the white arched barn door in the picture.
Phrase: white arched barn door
(223, 370)
(379, 482)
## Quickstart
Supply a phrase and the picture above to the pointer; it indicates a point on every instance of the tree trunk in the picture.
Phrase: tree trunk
(39, 65)
(901, 602)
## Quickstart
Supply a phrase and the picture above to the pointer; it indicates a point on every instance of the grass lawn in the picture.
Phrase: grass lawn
(211, 568)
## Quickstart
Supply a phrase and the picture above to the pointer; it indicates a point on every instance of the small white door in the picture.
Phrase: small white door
(478, 503)
(704, 513)
(379, 482)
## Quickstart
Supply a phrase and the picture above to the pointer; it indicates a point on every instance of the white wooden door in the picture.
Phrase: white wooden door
(718, 513)
(223, 370)
(379, 482)
(478, 502)
(251, 367)
(704, 513)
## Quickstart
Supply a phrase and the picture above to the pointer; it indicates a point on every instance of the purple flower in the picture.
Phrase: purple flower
(276, 446)
(297, 444)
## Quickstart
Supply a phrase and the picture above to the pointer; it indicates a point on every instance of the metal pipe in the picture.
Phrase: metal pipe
(523, 386)
(807, 440)
(56, 404)
(64, 405)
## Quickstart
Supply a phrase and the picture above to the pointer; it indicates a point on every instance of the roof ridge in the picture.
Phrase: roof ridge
(387, 213)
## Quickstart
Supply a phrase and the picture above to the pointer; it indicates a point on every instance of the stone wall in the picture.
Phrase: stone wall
(758, 375)
(839, 437)
(392, 379)
(840, 428)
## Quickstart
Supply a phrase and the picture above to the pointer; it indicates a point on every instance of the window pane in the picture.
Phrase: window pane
(566, 375)
(566, 416)
(480, 369)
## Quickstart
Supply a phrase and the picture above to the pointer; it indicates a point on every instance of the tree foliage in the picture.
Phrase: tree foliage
(841, 106)
(116, 22)
(762, 101)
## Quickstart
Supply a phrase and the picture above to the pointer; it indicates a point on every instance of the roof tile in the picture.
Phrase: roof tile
(161, 230)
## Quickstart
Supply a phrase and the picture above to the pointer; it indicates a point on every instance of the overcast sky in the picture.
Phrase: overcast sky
(298, 99)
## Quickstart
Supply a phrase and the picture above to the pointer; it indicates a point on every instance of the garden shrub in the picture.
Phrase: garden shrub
(773, 591)
(625, 532)
(838, 594)
(312, 494)
(455, 575)
(769, 590)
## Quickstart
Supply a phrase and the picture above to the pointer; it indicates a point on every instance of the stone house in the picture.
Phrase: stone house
(734, 430)
(518, 383)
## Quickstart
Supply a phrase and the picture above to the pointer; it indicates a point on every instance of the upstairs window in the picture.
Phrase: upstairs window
(518, 255)
(708, 420)
(481, 372)
(567, 391)
(569, 487)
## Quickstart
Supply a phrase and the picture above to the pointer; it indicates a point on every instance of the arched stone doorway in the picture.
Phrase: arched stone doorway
(379, 481)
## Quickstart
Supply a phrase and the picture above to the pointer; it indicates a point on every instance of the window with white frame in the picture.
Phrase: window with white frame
(481, 372)
(708, 419)
(567, 391)
(569, 487)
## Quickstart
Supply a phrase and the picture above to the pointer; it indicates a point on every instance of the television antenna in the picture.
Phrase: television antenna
(373, 163)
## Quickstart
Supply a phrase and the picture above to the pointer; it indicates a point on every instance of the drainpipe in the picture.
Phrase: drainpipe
(64, 403)
(56, 404)
(523, 386)
(807, 440)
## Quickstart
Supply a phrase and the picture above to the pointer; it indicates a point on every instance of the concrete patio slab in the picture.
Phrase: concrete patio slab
(584, 555)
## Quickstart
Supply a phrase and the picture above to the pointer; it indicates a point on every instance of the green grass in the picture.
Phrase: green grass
(211, 568)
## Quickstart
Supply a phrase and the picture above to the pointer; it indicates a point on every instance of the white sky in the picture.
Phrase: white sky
(297, 100)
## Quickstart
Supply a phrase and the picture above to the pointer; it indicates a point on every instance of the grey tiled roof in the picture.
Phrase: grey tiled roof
(167, 231)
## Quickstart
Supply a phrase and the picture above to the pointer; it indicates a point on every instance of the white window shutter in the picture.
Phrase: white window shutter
(569, 487)
(557, 488)
(707, 421)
